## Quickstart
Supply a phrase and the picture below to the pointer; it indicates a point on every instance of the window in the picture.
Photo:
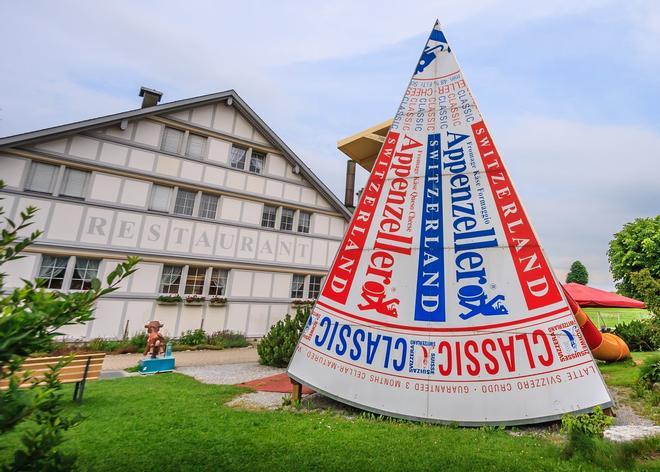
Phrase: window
(52, 270)
(257, 161)
(41, 177)
(314, 286)
(208, 206)
(195, 146)
(170, 280)
(286, 221)
(73, 183)
(160, 198)
(172, 139)
(218, 282)
(185, 202)
(83, 272)
(303, 222)
(195, 280)
(238, 157)
(268, 217)
(298, 286)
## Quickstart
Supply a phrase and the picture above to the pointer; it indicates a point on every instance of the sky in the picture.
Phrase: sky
(570, 90)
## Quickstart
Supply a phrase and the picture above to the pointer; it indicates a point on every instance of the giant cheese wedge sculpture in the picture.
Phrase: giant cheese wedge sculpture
(440, 304)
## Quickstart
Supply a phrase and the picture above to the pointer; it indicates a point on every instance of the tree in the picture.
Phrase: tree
(578, 274)
(636, 248)
(648, 289)
(30, 318)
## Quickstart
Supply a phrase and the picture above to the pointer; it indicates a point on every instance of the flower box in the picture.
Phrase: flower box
(217, 301)
(195, 300)
(302, 302)
(168, 300)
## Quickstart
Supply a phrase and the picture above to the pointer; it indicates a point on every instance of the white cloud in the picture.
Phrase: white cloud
(66, 61)
(580, 183)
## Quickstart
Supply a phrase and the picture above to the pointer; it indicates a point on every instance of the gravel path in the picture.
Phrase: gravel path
(630, 432)
(229, 374)
(188, 358)
(258, 401)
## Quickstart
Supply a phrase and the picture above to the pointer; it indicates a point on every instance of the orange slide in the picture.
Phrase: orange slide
(604, 346)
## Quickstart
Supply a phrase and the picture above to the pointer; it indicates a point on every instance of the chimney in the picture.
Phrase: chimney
(150, 97)
(349, 196)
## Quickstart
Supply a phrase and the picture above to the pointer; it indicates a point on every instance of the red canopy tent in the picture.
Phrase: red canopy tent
(589, 296)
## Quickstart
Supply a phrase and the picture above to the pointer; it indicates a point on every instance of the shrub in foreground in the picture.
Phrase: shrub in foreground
(30, 320)
(591, 424)
(276, 348)
(649, 372)
(640, 335)
(193, 337)
(227, 339)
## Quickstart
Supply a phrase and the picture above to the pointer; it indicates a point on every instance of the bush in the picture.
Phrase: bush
(139, 340)
(609, 455)
(649, 372)
(640, 335)
(276, 348)
(227, 339)
(192, 337)
(590, 424)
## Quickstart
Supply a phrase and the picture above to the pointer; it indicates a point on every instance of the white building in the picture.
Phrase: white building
(214, 203)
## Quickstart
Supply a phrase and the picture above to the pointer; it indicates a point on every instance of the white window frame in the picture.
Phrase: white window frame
(280, 219)
(217, 205)
(181, 279)
(73, 270)
(303, 289)
(210, 278)
(61, 183)
(181, 144)
(309, 222)
(205, 145)
(309, 282)
(170, 202)
(245, 159)
(195, 200)
(195, 285)
(71, 262)
(263, 210)
(263, 162)
(54, 179)
(184, 143)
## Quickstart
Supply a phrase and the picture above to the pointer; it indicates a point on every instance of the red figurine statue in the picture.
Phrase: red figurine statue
(155, 340)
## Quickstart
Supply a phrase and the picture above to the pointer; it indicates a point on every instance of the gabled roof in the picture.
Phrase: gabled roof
(254, 119)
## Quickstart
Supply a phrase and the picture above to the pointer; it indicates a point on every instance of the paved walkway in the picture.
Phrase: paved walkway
(188, 358)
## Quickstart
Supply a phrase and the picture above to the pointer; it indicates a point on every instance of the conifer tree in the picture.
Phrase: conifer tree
(578, 274)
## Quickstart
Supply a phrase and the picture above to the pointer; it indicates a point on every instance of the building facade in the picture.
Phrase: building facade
(221, 212)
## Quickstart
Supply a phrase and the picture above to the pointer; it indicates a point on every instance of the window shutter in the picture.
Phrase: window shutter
(196, 146)
(160, 198)
(41, 177)
(73, 184)
(172, 140)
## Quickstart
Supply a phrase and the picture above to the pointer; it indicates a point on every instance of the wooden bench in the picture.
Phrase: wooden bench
(83, 367)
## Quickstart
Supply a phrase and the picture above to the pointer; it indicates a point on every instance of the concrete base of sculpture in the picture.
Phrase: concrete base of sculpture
(155, 366)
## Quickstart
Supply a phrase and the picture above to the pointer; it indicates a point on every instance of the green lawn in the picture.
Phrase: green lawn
(610, 317)
(172, 422)
(623, 375)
